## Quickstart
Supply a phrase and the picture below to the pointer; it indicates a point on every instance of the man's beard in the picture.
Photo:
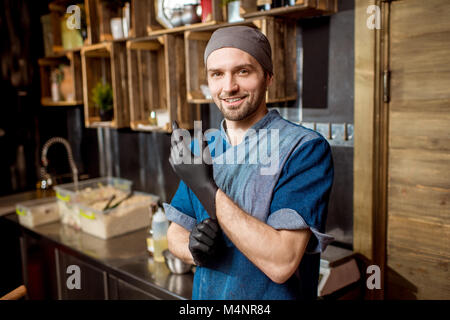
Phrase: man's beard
(244, 111)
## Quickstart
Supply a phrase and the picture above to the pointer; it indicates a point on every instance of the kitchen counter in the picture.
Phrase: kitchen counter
(8, 203)
(125, 256)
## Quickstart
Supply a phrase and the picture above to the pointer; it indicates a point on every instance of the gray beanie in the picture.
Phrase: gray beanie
(247, 39)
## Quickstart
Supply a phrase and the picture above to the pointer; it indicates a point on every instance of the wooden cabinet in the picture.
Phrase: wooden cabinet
(51, 271)
(121, 290)
(93, 281)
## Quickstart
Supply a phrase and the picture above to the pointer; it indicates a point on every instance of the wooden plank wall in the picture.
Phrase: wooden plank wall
(418, 237)
(365, 86)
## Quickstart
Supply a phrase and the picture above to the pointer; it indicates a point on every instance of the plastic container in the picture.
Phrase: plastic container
(70, 196)
(130, 215)
(160, 224)
(37, 212)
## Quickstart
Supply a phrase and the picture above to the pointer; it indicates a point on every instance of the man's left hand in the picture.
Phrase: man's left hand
(197, 174)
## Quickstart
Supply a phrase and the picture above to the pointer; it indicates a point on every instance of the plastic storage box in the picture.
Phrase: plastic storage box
(70, 196)
(132, 214)
(38, 212)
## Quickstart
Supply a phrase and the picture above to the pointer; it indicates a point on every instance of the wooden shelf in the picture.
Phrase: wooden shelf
(157, 68)
(206, 26)
(106, 62)
(73, 85)
(145, 126)
(281, 34)
(57, 19)
(302, 9)
(195, 44)
(48, 102)
(95, 122)
(200, 101)
(284, 99)
(143, 18)
(98, 14)
(195, 26)
(157, 81)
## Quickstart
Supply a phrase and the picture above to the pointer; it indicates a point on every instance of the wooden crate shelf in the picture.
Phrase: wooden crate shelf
(143, 18)
(106, 62)
(58, 11)
(302, 9)
(181, 29)
(157, 81)
(281, 34)
(216, 16)
(48, 102)
(195, 43)
(72, 60)
(99, 14)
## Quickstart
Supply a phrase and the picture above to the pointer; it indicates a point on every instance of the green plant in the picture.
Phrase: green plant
(58, 74)
(102, 96)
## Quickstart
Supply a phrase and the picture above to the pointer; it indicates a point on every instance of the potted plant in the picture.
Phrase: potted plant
(102, 97)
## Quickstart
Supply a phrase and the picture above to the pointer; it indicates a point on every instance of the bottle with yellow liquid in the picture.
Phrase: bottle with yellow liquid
(160, 224)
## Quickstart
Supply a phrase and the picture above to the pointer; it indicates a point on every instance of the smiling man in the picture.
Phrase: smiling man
(252, 236)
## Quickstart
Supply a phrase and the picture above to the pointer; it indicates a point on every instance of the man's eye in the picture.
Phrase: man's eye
(243, 71)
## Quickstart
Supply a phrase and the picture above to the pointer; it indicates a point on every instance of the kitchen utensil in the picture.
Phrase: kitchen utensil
(109, 202)
(118, 203)
(190, 14)
(176, 18)
(175, 265)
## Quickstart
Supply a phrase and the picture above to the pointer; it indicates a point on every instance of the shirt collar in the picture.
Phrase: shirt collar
(261, 124)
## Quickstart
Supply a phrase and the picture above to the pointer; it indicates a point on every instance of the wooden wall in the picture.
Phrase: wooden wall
(418, 221)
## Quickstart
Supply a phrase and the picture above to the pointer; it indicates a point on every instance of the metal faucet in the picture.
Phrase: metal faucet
(46, 180)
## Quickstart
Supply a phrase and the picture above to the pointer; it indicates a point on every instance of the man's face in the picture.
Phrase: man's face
(237, 83)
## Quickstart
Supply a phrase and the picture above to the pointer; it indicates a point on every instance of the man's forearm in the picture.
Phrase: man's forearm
(178, 240)
(277, 253)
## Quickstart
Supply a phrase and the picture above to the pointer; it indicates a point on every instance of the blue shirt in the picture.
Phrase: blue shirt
(287, 187)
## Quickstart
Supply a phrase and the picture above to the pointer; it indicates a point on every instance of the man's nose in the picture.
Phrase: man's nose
(229, 84)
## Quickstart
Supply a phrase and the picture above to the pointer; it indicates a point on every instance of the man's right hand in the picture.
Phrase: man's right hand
(205, 242)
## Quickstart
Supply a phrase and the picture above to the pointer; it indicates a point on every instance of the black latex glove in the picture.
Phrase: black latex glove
(206, 243)
(197, 176)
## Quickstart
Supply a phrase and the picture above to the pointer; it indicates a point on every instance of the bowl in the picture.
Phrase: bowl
(175, 265)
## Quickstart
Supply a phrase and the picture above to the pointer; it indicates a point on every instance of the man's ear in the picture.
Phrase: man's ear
(269, 79)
